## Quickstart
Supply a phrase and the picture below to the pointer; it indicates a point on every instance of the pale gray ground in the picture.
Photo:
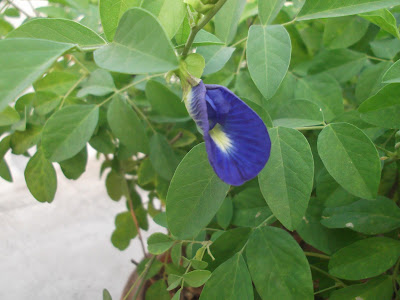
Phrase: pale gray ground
(61, 250)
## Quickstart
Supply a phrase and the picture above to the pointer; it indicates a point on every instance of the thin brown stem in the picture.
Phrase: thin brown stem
(319, 255)
(132, 211)
(176, 138)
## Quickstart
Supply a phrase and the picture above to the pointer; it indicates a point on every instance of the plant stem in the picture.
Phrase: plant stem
(72, 89)
(199, 26)
(139, 111)
(239, 42)
(33, 8)
(377, 58)
(394, 276)
(132, 211)
(77, 61)
(128, 87)
(142, 275)
(241, 60)
(323, 256)
(327, 289)
(290, 22)
(311, 127)
(339, 282)
(266, 221)
(20, 9)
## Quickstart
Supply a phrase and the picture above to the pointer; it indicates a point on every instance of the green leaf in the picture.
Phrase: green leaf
(100, 83)
(162, 156)
(324, 91)
(365, 216)
(377, 288)
(177, 295)
(269, 9)
(58, 30)
(41, 178)
(195, 64)
(246, 88)
(384, 19)
(330, 192)
(364, 259)
(68, 130)
(111, 12)
(126, 126)
(393, 74)
(215, 56)
(370, 81)
(158, 290)
(286, 181)
(115, 184)
(225, 212)
(106, 295)
(268, 57)
(170, 13)
(344, 31)
(5, 171)
(9, 116)
(12, 12)
(158, 243)
(351, 158)
(102, 141)
(165, 102)
(5, 27)
(195, 194)
(278, 266)
(231, 280)
(383, 109)
(75, 166)
(21, 141)
(17, 72)
(176, 254)
(250, 208)
(196, 278)
(322, 238)
(226, 245)
(182, 137)
(315, 9)
(385, 48)
(153, 270)
(45, 102)
(227, 20)
(132, 51)
(56, 82)
(342, 64)
(125, 230)
(299, 113)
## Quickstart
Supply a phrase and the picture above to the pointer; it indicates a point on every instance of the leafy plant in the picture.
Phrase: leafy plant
(308, 209)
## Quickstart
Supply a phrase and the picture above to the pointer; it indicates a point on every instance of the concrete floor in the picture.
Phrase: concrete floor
(61, 250)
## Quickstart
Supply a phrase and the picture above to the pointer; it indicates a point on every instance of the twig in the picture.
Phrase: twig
(377, 58)
(311, 127)
(338, 281)
(20, 9)
(71, 90)
(176, 138)
(290, 22)
(327, 289)
(142, 275)
(33, 8)
(239, 42)
(132, 211)
(323, 256)
(199, 26)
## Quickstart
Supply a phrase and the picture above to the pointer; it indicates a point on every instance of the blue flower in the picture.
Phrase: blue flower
(237, 141)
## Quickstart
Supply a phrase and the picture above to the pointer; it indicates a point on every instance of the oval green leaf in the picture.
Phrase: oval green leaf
(195, 194)
(351, 158)
(364, 259)
(287, 179)
(231, 280)
(68, 130)
(278, 266)
(133, 50)
(41, 178)
(268, 57)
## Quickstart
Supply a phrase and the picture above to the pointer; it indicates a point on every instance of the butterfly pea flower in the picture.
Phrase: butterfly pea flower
(237, 141)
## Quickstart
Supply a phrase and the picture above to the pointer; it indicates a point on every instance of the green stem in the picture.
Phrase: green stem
(323, 256)
(377, 58)
(77, 61)
(327, 289)
(72, 89)
(338, 281)
(199, 26)
(266, 221)
(394, 276)
(142, 275)
(144, 117)
(289, 23)
(311, 127)
(241, 60)
(239, 42)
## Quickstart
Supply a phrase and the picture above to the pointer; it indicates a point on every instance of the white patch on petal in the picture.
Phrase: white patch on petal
(220, 138)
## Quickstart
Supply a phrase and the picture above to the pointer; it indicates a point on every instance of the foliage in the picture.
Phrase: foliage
(322, 218)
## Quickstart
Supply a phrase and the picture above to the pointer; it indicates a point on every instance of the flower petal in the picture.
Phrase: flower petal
(238, 146)
(237, 141)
